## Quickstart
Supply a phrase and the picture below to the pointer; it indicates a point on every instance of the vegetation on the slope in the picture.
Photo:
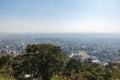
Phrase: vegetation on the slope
(48, 62)
(6, 69)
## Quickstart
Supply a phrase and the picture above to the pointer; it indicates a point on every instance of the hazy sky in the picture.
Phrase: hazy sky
(60, 16)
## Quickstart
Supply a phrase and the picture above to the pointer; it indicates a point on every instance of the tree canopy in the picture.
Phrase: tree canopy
(48, 62)
(41, 60)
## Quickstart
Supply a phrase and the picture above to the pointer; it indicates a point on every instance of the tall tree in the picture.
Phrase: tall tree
(41, 60)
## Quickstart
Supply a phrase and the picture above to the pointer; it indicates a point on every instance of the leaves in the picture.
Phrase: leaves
(48, 62)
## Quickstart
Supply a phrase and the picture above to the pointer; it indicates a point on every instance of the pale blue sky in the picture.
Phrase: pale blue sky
(60, 16)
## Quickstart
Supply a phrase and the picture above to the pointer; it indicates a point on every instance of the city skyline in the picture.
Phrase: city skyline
(60, 16)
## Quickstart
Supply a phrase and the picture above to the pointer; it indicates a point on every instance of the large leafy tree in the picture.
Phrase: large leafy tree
(40, 60)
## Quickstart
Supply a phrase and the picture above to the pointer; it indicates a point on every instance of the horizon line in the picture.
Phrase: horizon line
(56, 33)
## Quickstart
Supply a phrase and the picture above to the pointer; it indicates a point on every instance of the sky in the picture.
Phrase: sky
(60, 16)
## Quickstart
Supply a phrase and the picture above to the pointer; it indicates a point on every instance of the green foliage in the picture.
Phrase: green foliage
(59, 76)
(7, 77)
(4, 59)
(85, 70)
(41, 60)
(6, 70)
(48, 62)
(113, 71)
(74, 64)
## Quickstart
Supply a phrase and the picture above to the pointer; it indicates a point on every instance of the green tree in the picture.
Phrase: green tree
(4, 60)
(113, 71)
(74, 70)
(41, 61)
(74, 64)
(6, 70)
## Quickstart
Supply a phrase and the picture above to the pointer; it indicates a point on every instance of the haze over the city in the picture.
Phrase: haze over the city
(60, 16)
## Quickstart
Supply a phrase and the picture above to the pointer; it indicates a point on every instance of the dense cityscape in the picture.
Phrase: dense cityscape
(96, 45)
(59, 39)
